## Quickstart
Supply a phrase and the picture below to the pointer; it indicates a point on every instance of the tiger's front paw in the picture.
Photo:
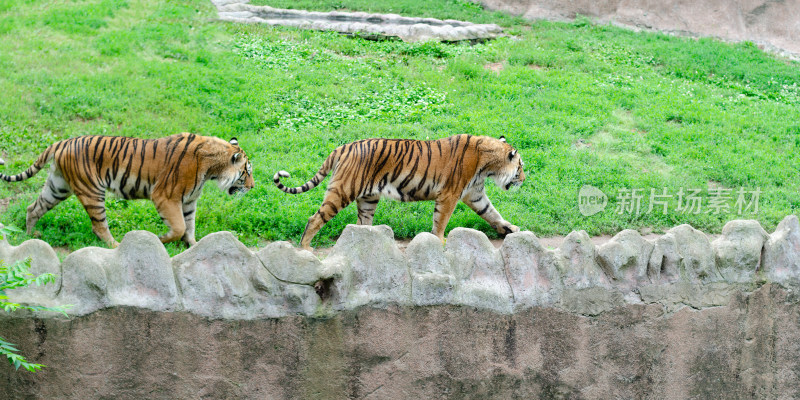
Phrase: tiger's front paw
(507, 229)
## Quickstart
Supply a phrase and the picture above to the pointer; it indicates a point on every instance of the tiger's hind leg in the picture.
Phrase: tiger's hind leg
(56, 190)
(479, 202)
(95, 206)
(331, 205)
(189, 212)
(366, 209)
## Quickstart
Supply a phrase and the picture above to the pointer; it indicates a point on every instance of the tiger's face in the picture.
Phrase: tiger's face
(238, 177)
(245, 181)
(512, 174)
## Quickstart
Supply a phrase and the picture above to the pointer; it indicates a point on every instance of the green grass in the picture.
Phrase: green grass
(583, 103)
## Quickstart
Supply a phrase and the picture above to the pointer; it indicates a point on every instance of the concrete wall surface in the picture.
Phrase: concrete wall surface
(679, 316)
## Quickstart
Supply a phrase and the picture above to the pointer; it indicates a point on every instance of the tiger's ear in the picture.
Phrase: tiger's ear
(512, 154)
(236, 157)
(503, 139)
(234, 142)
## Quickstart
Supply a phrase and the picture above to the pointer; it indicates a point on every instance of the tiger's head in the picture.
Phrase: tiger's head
(511, 167)
(237, 177)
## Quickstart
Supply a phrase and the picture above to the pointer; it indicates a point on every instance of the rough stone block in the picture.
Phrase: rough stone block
(377, 269)
(533, 280)
(138, 273)
(580, 266)
(220, 278)
(42, 260)
(84, 284)
(781, 261)
(432, 280)
(625, 257)
(479, 271)
(290, 264)
(683, 253)
(738, 250)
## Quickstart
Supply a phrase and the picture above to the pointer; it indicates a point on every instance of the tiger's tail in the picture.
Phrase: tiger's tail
(37, 166)
(326, 167)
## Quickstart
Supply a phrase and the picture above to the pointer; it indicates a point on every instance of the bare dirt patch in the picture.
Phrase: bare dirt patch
(582, 144)
(86, 120)
(494, 67)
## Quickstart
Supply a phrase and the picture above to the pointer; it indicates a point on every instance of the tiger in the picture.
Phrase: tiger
(445, 170)
(170, 171)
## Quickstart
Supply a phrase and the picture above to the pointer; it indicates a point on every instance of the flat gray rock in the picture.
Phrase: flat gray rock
(408, 29)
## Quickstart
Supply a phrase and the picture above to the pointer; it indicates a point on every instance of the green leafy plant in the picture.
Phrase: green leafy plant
(14, 277)
(388, 103)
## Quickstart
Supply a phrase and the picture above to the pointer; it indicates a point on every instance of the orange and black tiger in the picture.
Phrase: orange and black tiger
(446, 170)
(170, 171)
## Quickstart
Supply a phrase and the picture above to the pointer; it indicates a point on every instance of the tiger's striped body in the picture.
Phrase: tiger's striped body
(445, 170)
(170, 171)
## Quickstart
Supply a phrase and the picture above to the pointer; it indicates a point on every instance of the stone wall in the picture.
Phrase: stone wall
(675, 317)
(772, 24)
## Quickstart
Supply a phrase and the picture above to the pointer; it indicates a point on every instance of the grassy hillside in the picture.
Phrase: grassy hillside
(585, 104)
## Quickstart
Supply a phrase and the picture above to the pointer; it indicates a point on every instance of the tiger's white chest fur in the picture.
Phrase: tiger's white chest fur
(390, 192)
